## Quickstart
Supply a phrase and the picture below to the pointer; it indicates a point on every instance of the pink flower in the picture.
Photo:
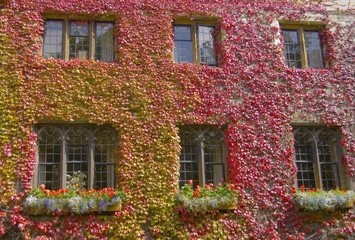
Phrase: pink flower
(175, 191)
(42, 186)
(190, 182)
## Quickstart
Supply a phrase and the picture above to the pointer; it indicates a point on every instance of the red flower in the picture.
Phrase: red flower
(42, 186)
(190, 182)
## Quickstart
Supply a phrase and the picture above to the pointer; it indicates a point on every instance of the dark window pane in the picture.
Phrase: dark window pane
(313, 49)
(53, 39)
(105, 141)
(183, 52)
(104, 41)
(206, 47)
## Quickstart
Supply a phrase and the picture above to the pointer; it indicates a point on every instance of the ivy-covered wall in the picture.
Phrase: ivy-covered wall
(146, 97)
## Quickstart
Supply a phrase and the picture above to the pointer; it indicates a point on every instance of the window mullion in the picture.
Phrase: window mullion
(66, 40)
(91, 39)
(63, 162)
(195, 43)
(91, 163)
(303, 48)
(317, 168)
(202, 166)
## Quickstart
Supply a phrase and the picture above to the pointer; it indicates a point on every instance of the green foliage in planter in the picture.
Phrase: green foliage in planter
(209, 198)
(315, 200)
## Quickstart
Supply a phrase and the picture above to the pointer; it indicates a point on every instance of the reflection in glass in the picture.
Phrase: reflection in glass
(206, 45)
(77, 151)
(53, 39)
(313, 49)
(104, 41)
(79, 39)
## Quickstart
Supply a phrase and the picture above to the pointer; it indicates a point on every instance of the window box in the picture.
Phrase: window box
(208, 199)
(43, 201)
(319, 200)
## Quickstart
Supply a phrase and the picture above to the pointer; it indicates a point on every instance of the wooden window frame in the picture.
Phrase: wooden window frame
(92, 35)
(300, 30)
(194, 26)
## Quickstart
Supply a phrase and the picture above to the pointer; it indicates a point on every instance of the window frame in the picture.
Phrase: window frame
(92, 35)
(313, 134)
(199, 132)
(64, 130)
(194, 35)
(301, 28)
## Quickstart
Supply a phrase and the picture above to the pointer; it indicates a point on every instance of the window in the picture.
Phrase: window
(303, 47)
(67, 39)
(65, 149)
(194, 43)
(317, 155)
(203, 155)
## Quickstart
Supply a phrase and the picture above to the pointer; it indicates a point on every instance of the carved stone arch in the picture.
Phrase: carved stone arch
(303, 135)
(104, 135)
(50, 130)
(213, 135)
(78, 132)
(189, 135)
(325, 136)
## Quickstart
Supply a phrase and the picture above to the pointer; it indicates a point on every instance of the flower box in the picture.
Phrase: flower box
(319, 200)
(208, 199)
(43, 201)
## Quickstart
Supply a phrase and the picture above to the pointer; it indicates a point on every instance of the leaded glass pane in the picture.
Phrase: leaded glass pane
(292, 48)
(304, 159)
(316, 147)
(327, 158)
(206, 47)
(183, 52)
(105, 140)
(49, 150)
(53, 39)
(79, 39)
(189, 161)
(313, 49)
(214, 156)
(104, 41)
(77, 151)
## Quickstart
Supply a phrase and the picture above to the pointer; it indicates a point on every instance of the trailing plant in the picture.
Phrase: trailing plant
(44, 201)
(314, 200)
